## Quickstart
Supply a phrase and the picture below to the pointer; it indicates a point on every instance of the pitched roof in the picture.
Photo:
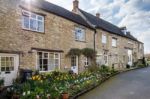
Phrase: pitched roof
(62, 12)
(102, 24)
(59, 11)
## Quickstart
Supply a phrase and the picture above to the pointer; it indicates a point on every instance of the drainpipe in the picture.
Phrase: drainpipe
(95, 39)
(95, 44)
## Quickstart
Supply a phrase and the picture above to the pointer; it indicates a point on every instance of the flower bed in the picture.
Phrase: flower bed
(52, 85)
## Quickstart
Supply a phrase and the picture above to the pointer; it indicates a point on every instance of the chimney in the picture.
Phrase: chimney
(124, 30)
(75, 6)
(98, 15)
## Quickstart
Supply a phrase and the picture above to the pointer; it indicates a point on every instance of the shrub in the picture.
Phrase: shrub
(1, 82)
(74, 52)
(141, 65)
(144, 61)
(88, 52)
(93, 68)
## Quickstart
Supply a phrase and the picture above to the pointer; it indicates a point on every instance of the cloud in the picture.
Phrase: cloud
(134, 14)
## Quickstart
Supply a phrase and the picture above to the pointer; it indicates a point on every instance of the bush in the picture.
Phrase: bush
(141, 65)
(93, 68)
(1, 82)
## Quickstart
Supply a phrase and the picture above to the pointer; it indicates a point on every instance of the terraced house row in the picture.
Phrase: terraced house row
(36, 34)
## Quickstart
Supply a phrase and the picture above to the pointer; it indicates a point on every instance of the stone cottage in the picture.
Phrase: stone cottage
(37, 35)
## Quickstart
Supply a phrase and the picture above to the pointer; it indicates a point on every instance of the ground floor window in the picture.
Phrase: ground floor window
(6, 63)
(105, 59)
(87, 61)
(74, 61)
(47, 61)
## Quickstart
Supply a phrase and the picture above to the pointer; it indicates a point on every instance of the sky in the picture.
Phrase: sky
(134, 14)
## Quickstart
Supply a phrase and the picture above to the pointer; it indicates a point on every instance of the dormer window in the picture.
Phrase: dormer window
(79, 34)
(32, 21)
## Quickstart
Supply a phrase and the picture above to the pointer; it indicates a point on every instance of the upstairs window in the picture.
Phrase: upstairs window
(79, 34)
(114, 42)
(32, 21)
(140, 46)
(104, 39)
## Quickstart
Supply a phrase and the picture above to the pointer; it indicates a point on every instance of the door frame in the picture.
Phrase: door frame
(77, 63)
(130, 57)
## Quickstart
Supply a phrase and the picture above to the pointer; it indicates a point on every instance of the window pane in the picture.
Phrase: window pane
(2, 63)
(41, 18)
(45, 67)
(41, 62)
(114, 42)
(25, 22)
(40, 54)
(2, 68)
(11, 58)
(12, 64)
(7, 69)
(7, 63)
(56, 62)
(3, 58)
(45, 61)
(33, 24)
(40, 26)
(45, 55)
(56, 56)
(33, 16)
(73, 61)
(103, 38)
(80, 34)
(51, 55)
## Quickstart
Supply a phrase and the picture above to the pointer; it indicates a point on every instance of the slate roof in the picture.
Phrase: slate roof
(57, 10)
(102, 24)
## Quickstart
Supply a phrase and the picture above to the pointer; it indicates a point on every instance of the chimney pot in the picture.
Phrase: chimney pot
(98, 15)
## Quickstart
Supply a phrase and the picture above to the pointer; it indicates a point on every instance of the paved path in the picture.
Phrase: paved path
(130, 85)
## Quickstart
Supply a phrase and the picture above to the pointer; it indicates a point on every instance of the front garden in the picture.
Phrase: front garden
(58, 85)
(62, 85)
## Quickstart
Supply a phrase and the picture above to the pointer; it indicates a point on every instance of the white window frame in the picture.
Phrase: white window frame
(49, 64)
(104, 39)
(106, 59)
(12, 65)
(29, 14)
(79, 34)
(87, 62)
(114, 42)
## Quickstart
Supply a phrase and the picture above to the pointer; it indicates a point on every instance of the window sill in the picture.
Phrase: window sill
(33, 31)
(46, 71)
(104, 43)
(114, 46)
(80, 41)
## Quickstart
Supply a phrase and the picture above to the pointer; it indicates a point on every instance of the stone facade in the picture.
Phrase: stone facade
(59, 35)
(117, 56)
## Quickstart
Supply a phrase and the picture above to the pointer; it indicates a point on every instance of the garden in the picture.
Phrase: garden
(61, 85)
(58, 85)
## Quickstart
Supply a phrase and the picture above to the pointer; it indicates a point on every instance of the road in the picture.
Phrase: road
(129, 85)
